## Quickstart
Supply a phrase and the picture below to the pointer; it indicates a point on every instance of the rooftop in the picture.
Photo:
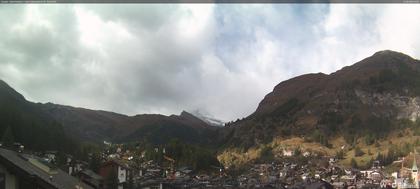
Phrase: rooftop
(32, 166)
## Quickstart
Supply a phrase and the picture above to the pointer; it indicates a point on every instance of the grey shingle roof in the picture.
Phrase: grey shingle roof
(60, 179)
(92, 174)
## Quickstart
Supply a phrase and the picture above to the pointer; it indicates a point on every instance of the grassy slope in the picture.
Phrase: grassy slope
(237, 157)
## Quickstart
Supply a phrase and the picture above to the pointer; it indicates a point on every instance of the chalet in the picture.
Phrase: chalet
(74, 167)
(377, 176)
(305, 176)
(21, 171)
(50, 155)
(306, 154)
(376, 165)
(118, 168)
(348, 178)
(332, 160)
(287, 153)
(183, 172)
(91, 178)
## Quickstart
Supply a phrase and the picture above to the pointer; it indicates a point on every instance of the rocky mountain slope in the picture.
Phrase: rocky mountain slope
(21, 121)
(208, 119)
(368, 104)
(365, 101)
(97, 125)
(66, 122)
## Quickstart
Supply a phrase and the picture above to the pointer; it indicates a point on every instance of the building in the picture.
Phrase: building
(21, 171)
(114, 169)
(50, 155)
(414, 171)
(408, 177)
(287, 153)
(91, 178)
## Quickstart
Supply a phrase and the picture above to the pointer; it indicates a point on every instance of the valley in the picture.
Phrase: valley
(362, 117)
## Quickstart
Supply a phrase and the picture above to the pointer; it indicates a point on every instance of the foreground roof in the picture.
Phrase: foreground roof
(32, 167)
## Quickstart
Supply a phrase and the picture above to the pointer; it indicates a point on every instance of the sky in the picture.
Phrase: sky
(216, 59)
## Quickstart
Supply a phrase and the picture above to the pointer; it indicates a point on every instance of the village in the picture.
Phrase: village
(307, 171)
(120, 169)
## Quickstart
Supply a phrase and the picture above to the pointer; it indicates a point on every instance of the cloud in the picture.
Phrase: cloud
(398, 28)
(103, 61)
(216, 58)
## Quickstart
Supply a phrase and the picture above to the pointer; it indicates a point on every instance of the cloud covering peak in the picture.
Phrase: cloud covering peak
(216, 58)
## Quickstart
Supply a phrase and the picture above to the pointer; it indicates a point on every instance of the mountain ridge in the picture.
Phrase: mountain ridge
(361, 103)
(98, 125)
(23, 122)
(309, 102)
(85, 125)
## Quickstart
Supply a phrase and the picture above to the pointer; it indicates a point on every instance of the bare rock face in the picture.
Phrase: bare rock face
(367, 97)
(393, 105)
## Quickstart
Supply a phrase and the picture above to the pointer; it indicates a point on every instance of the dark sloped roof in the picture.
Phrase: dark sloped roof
(22, 162)
(117, 162)
(319, 184)
(92, 174)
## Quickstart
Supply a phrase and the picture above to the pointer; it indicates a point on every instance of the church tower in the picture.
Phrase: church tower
(414, 171)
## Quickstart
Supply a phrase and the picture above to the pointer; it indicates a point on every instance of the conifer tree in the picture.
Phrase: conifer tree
(8, 138)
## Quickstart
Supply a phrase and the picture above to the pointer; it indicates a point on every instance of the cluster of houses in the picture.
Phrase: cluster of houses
(151, 174)
(325, 172)
(119, 169)
(319, 172)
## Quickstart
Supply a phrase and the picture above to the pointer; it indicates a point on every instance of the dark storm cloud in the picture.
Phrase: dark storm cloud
(130, 60)
(217, 59)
